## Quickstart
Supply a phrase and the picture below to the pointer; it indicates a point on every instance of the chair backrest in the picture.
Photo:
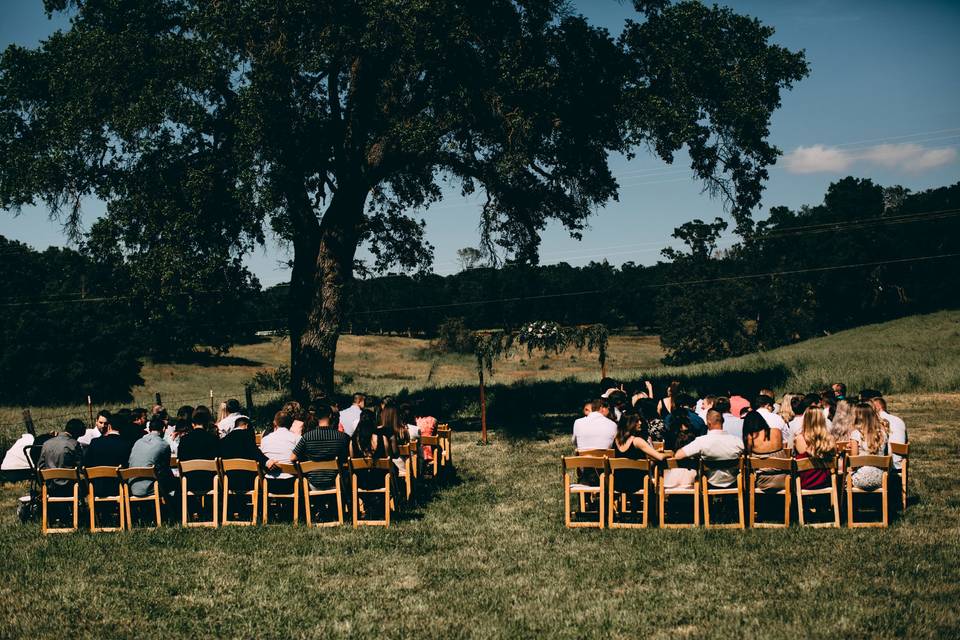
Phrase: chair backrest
(240, 464)
(430, 441)
(404, 450)
(136, 473)
(780, 464)
(192, 466)
(594, 453)
(583, 462)
(685, 463)
(900, 449)
(28, 454)
(883, 462)
(843, 446)
(809, 464)
(615, 464)
(731, 465)
(173, 462)
(288, 467)
(319, 465)
(60, 474)
(658, 445)
(95, 473)
(360, 464)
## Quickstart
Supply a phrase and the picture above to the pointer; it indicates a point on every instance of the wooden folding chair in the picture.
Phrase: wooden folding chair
(405, 453)
(365, 464)
(445, 433)
(47, 475)
(140, 473)
(734, 467)
(238, 466)
(104, 473)
(309, 492)
(755, 464)
(807, 464)
(414, 448)
(902, 450)
(663, 492)
(572, 466)
(294, 472)
(590, 453)
(437, 444)
(881, 462)
(188, 467)
(627, 466)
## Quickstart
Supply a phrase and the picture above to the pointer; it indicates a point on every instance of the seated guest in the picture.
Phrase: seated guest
(732, 424)
(181, 425)
(898, 428)
(323, 443)
(716, 445)
(769, 394)
(152, 451)
(763, 405)
(684, 405)
(99, 428)
(631, 442)
(842, 423)
(705, 404)
(350, 416)
(279, 444)
(15, 466)
(426, 426)
(639, 394)
(199, 444)
(839, 391)
(786, 411)
(409, 421)
(665, 406)
(680, 435)
(595, 430)
(395, 432)
(139, 418)
(647, 409)
(800, 409)
(109, 450)
(870, 437)
(241, 443)
(738, 403)
(226, 424)
(618, 403)
(814, 441)
(761, 440)
(63, 452)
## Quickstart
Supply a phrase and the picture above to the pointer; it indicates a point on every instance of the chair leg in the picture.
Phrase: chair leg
(216, 494)
(849, 500)
(76, 506)
(353, 484)
(753, 500)
(696, 509)
(646, 500)
(704, 488)
(307, 509)
(184, 498)
(386, 503)
(660, 504)
(91, 501)
(339, 502)
(43, 508)
(603, 491)
(800, 516)
(226, 499)
(786, 503)
(883, 496)
(611, 497)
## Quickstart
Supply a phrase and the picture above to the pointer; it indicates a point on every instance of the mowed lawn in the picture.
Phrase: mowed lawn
(487, 555)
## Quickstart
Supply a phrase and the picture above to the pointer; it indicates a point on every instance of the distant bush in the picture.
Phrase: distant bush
(271, 379)
(453, 336)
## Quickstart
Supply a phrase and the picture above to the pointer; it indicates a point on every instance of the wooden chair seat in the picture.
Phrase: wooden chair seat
(295, 478)
(624, 465)
(735, 468)
(573, 465)
(48, 475)
(140, 473)
(104, 473)
(309, 491)
(664, 492)
(234, 466)
(755, 465)
(807, 464)
(188, 467)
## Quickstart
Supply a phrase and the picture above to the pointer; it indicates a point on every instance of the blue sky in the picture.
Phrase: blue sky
(882, 101)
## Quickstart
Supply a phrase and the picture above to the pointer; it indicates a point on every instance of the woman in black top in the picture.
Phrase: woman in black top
(630, 443)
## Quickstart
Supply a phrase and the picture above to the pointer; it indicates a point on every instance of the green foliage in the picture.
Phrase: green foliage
(453, 336)
(542, 336)
(62, 336)
(271, 379)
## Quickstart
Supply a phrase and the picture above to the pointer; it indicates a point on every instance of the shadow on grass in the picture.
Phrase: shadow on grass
(208, 359)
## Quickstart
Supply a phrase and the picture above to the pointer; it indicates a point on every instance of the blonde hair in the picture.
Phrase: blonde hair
(786, 407)
(815, 435)
(222, 411)
(873, 429)
(843, 420)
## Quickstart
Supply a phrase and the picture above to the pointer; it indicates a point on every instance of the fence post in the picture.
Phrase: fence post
(28, 422)
(213, 409)
(249, 392)
(90, 410)
(157, 397)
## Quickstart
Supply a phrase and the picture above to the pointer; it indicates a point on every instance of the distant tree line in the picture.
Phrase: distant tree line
(705, 303)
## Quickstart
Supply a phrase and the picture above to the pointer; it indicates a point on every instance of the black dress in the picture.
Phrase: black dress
(628, 480)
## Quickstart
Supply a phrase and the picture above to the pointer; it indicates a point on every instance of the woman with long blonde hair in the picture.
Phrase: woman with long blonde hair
(842, 424)
(786, 407)
(868, 437)
(814, 441)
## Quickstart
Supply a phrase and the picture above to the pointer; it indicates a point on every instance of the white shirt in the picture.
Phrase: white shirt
(413, 430)
(349, 418)
(226, 425)
(774, 421)
(88, 437)
(716, 445)
(15, 459)
(732, 425)
(278, 445)
(594, 431)
(898, 434)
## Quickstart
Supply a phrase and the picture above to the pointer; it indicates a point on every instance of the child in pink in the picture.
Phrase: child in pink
(428, 427)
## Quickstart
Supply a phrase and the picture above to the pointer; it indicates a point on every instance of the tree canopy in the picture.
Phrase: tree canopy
(328, 122)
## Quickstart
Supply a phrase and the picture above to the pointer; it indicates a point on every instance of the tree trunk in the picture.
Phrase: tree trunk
(322, 272)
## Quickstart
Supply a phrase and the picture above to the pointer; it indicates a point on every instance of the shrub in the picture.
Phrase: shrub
(453, 336)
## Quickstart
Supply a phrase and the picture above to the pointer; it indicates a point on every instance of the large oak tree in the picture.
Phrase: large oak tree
(330, 120)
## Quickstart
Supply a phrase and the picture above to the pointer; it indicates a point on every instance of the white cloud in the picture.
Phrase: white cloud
(905, 156)
(816, 159)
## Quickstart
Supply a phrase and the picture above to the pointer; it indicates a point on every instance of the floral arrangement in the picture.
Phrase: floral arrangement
(546, 336)
(541, 335)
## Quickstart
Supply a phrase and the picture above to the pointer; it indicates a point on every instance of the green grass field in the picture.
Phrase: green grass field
(486, 555)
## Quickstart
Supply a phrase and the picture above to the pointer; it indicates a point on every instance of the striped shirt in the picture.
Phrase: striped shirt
(320, 445)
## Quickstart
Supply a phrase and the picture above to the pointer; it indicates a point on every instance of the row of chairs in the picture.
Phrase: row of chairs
(258, 498)
(610, 502)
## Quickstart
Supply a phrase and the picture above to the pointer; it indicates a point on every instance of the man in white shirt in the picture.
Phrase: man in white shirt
(100, 427)
(716, 445)
(705, 404)
(226, 425)
(898, 428)
(764, 406)
(595, 430)
(278, 444)
(350, 416)
(731, 424)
